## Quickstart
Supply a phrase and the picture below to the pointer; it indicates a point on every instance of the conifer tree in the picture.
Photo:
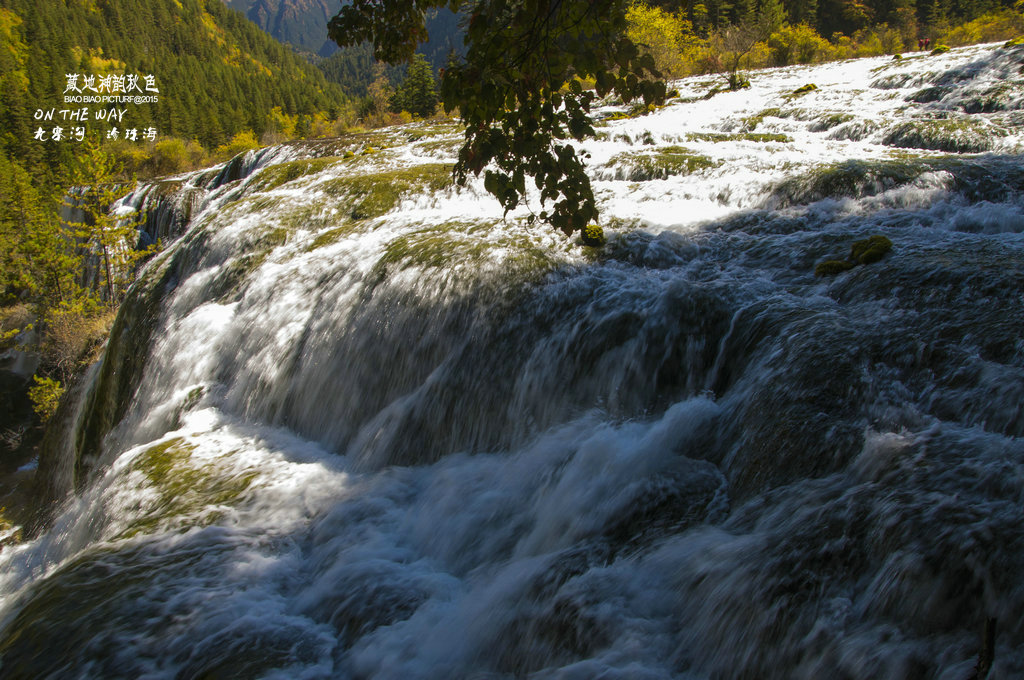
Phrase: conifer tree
(111, 238)
(418, 93)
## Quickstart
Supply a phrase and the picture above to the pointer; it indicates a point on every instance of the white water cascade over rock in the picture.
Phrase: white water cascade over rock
(353, 423)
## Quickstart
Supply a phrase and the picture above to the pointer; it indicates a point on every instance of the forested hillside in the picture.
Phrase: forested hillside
(216, 72)
(829, 17)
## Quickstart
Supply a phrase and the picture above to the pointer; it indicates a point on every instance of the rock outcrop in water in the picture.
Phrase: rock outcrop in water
(353, 423)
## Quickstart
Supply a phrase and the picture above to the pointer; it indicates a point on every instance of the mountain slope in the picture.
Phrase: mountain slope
(217, 73)
(302, 23)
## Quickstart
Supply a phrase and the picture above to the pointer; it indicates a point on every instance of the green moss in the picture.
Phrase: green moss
(1014, 42)
(447, 147)
(663, 163)
(192, 398)
(871, 249)
(331, 236)
(866, 251)
(999, 97)
(185, 491)
(235, 272)
(956, 135)
(593, 235)
(275, 176)
(760, 137)
(464, 250)
(375, 194)
(940, 49)
(833, 267)
(929, 94)
(751, 122)
(830, 120)
(801, 91)
(9, 533)
(853, 178)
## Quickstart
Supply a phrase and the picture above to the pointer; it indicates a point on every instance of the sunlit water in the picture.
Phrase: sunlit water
(390, 434)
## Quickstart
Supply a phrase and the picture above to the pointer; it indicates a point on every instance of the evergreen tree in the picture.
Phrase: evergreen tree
(111, 238)
(418, 94)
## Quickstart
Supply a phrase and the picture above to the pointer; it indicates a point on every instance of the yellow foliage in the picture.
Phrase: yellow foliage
(280, 123)
(993, 27)
(798, 44)
(240, 143)
(45, 397)
(95, 62)
(663, 35)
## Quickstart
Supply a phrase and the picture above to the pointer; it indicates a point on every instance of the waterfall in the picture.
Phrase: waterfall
(353, 422)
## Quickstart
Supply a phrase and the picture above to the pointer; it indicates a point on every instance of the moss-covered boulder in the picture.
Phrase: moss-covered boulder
(833, 267)
(866, 251)
(669, 161)
(958, 135)
(803, 89)
(871, 249)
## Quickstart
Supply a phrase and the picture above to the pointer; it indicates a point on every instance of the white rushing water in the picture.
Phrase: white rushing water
(352, 423)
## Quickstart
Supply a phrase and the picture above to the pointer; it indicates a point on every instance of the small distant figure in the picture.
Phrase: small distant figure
(920, 43)
(927, 42)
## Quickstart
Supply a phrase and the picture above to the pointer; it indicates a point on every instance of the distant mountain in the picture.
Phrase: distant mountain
(302, 23)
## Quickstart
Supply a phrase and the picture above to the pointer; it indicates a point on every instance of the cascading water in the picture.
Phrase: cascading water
(353, 424)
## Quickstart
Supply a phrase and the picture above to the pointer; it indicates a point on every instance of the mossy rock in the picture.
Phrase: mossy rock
(833, 267)
(666, 162)
(830, 120)
(866, 251)
(853, 178)
(897, 56)
(871, 249)
(593, 235)
(940, 49)
(375, 194)
(759, 137)
(999, 97)
(955, 135)
(929, 95)
(9, 533)
(278, 175)
(332, 236)
(803, 89)
(464, 251)
(751, 122)
(1014, 42)
(187, 490)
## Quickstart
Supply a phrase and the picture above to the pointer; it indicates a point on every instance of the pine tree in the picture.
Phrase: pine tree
(418, 94)
(112, 238)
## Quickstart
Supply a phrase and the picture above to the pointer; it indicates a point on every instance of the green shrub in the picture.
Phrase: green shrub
(45, 397)
(593, 235)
